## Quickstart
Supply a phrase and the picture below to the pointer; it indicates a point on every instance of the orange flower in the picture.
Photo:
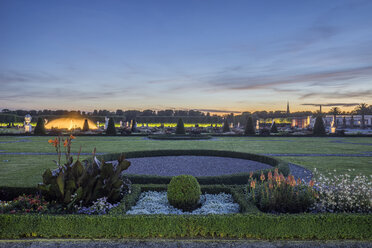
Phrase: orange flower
(251, 174)
(270, 176)
(65, 143)
(72, 137)
(311, 183)
(298, 181)
(53, 142)
(253, 184)
(262, 177)
(270, 185)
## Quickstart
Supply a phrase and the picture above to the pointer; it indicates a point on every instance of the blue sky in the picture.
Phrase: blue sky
(195, 54)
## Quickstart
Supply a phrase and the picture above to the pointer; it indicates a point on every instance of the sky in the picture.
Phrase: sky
(208, 55)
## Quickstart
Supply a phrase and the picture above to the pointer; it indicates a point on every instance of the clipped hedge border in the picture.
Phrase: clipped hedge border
(238, 179)
(255, 226)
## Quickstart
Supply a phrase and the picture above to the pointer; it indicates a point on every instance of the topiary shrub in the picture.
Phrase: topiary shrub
(40, 127)
(226, 127)
(184, 192)
(319, 129)
(85, 126)
(180, 127)
(274, 128)
(249, 127)
(111, 127)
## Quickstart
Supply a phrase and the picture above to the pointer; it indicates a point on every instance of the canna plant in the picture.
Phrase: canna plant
(81, 183)
(278, 194)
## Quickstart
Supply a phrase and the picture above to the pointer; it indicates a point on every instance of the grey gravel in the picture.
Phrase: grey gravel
(192, 165)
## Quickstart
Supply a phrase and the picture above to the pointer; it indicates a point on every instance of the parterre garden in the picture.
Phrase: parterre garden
(85, 196)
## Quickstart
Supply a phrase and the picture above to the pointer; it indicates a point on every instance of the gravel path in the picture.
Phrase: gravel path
(192, 165)
(204, 166)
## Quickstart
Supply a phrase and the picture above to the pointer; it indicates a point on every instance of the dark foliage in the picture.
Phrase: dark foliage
(111, 130)
(319, 129)
(249, 127)
(40, 127)
(180, 127)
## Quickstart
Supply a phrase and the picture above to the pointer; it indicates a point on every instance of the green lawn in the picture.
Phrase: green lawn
(26, 170)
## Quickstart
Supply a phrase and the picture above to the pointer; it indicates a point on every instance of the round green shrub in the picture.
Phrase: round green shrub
(184, 192)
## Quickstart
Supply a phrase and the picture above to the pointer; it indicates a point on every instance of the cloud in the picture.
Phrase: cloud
(268, 82)
(217, 111)
(338, 95)
(331, 104)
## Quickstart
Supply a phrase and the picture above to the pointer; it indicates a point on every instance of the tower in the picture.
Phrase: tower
(288, 107)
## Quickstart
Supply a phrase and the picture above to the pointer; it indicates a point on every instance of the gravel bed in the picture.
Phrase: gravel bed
(192, 165)
(152, 202)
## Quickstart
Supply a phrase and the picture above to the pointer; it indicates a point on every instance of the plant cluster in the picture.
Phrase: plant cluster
(342, 193)
(279, 194)
(100, 206)
(24, 204)
(184, 192)
(77, 183)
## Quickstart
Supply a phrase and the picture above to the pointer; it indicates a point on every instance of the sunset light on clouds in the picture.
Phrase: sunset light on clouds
(206, 55)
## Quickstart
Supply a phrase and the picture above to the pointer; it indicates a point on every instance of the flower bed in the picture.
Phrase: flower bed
(153, 202)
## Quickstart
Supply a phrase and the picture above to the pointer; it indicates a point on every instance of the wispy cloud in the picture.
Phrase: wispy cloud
(331, 104)
(338, 95)
(218, 111)
(268, 82)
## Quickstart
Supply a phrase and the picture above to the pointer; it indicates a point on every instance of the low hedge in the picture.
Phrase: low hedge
(240, 178)
(255, 226)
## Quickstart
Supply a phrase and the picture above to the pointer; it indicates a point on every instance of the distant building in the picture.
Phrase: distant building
(301, 122)
(288, 108)
(342, 121)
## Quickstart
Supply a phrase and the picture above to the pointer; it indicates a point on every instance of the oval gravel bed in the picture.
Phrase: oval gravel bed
(192, 165)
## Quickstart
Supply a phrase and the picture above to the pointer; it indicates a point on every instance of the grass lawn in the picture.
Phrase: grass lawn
(26, 170)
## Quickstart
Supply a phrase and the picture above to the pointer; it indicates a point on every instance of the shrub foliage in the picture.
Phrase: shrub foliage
(184, 192)
(111, 130)
(40, 127)
(180, 127)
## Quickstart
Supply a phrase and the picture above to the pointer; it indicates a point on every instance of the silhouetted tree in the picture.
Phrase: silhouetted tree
(362, 109)
(180, 127)
(335, 111)
(85, 126)
(273, 128)
(249, 127)
(226, 127)
(319, 129)
(40, 127)
(111, 130)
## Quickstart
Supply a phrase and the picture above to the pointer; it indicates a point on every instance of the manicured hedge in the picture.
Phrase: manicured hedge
(255, 226)
(240, 178)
